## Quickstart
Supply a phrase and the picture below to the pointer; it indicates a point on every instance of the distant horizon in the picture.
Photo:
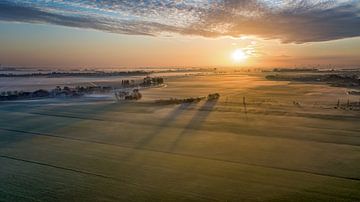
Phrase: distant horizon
(3, 66)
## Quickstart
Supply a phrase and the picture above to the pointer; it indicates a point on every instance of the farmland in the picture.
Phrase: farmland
(261, 141)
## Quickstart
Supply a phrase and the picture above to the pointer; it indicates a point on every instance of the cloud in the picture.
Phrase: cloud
(292, 21)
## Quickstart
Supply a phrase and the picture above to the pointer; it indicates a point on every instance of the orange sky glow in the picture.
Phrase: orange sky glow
(268, 33)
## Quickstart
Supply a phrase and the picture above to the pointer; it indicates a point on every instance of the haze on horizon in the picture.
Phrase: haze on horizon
(72, 33)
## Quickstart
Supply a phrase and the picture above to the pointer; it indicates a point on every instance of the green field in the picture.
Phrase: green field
(79, 150)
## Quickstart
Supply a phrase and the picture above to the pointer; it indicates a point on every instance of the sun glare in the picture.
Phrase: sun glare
(239, 55)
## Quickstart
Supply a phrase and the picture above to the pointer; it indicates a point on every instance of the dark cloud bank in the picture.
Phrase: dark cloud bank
(296, 21)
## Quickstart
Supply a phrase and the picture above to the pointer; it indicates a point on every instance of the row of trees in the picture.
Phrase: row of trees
(125, 95)
(81, 90)
(57, 92)
(210, 97)
(147, 81)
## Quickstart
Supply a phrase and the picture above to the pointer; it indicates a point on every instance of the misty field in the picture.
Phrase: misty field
(286, 142)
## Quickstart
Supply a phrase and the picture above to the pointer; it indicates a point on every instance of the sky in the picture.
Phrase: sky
(180, 33)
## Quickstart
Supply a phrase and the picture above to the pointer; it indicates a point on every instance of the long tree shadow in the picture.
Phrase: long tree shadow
(196, 122)
(170, 118)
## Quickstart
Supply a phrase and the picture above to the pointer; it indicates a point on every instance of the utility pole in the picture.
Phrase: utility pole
(244, 103)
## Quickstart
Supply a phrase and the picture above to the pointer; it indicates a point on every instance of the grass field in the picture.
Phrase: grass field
(80, 150)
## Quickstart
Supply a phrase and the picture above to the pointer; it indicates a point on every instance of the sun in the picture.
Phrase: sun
(239, 55)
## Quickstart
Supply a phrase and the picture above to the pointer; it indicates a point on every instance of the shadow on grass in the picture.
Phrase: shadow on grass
(167, 120)
(195, 123)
